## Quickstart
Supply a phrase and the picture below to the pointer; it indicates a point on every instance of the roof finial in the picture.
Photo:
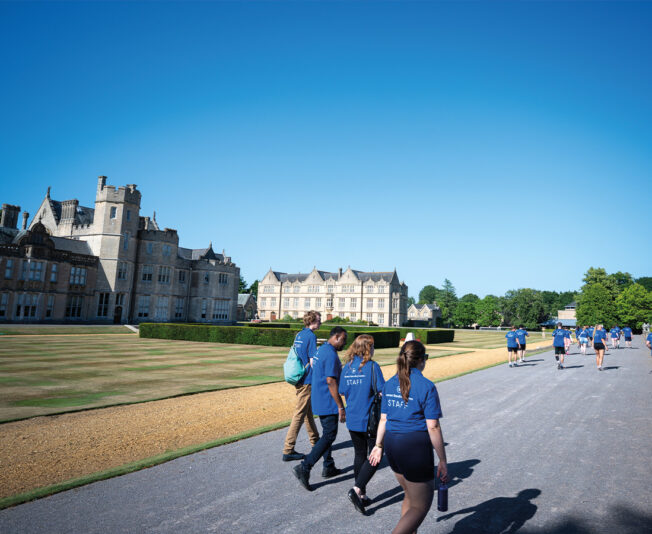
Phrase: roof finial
(210, 244)
(154, 216)
(48, 193)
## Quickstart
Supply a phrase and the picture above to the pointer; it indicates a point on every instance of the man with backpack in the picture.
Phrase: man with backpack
(305, 344)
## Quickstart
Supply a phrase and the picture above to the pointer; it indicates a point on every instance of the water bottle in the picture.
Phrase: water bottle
(442, 497)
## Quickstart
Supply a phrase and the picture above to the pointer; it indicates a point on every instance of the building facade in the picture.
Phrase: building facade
(377, 297)
(424, 314)
(139, 273)
(247, 308)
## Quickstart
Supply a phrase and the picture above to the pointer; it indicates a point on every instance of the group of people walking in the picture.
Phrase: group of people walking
(407, 431)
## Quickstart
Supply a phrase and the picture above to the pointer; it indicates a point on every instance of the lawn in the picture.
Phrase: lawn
(47, 374)
(31, 330)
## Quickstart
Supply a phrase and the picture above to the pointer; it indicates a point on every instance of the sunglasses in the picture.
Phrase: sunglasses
(425, 357)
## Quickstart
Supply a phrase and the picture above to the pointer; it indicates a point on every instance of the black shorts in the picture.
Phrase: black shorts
(560, 350)
(411, 455)
(628, 338)
(598, 346)
(512, 349)
(522, 347)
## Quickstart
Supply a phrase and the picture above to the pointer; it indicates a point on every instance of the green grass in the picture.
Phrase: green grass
(71, 400)
(39, 330)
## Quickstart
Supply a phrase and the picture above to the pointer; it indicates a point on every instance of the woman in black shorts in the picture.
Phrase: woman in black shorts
(409, 430)
(599, 344)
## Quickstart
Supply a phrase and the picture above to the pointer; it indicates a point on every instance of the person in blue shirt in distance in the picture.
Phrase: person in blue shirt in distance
(359, 375)
(648, 342)
(409, 430)
(521, 334)
(584, 339)
(599, 344)
(627, 333)
(305, 344)
(559, 337)
(614, 333)
(327, 404)
(512, 346)
(591, 330)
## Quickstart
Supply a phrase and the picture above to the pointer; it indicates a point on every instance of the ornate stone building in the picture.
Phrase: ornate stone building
(424, 314)
(369, 296)
(135, 270)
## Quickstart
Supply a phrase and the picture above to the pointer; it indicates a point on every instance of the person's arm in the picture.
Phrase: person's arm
(312, 348)
(332, 387)
(437, 440)
(377, 451)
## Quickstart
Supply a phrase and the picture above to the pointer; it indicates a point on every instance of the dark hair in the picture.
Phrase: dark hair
(337, 330)
(412, 352)
(521, 327)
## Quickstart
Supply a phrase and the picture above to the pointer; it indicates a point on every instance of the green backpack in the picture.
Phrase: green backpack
(293, 369)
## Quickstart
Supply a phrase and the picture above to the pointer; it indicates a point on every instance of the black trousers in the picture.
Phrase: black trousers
(362, 469)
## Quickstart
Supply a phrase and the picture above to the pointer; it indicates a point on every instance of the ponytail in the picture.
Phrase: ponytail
(412, 352)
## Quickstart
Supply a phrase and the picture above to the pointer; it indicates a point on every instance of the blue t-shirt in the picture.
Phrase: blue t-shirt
(423, 403)
(306, 346)
(627, 331)
(520, 334)
(325, 364)
(649, 338)
(599, 336)
(512, 339)
(584, 335)
(559, 335)
(357, 386)
(615, 332)
(591, 329)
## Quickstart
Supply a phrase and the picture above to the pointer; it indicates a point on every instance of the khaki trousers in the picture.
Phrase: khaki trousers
(303, 409)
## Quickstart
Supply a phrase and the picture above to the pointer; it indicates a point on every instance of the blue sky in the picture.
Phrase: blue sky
(500, 145)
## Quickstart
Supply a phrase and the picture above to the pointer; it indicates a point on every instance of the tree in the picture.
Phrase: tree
(620, 280)
(487, 313)
(645, 281)
(596, 306)
(242, 287)
(634, 306)
(428, 295)
(253, 288)
(465, 312)
(524, 306)
(447, 301)
(411, 301)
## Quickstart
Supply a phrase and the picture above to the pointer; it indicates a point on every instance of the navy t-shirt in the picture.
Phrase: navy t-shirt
(521, 333)
(306, 346)
(423, 403)
(511, 339)
(559, 335)
(357, 386)
(599, 336)
(627, 331)
(325, 364)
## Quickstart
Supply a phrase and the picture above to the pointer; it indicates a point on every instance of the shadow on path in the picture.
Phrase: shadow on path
(620, 519)
(611, 367)
(572, 366)
(342, 445)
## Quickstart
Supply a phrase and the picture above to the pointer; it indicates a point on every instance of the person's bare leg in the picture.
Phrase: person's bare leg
(420, 495)
(405, 505)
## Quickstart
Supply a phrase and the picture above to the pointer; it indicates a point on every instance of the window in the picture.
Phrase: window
(120, 299)
(370, 317)
(381, 318)
(370, 289)
(128, 215)
(125, 243)
(23, 271)
(272, 301)
(370, 303)
(342, 303)
(35, 270)
(286, 302)
(395, 304)
(204, 306)
(114, 212)
(207, 278)
(161, 311)
(54, 272)
(329, 302)
(149, 248)
(340, 315)
(9, 269)
(223, 278)
(182, 277)
(27, 304)
(103, 305)
(122, 270)
(329, 288)
(295, 301)
(78, 276)
(167, 250)
(297, 288)
(288, 287)
(381, 303)
(314, 289)
(221, 309)
(178, 307)
(148, 272)
(354, 303)
(348, 289)
(143, 306)
(4, 299)
(381, 289)
(74, 306)
(163, 275)
(268, 289)
(263, 301)
(318, 302)
(354, 317)
(306, 303)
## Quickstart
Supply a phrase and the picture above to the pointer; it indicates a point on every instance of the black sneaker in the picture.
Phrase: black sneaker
(302, 475)
(294, 455)
(330, 472)
(355, 499)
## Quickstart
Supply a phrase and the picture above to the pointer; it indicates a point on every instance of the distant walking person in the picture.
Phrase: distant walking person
(327, 404)
(584, 339)
(559, 336)
(567, 341)
(648, 342)
(615, 337)
(521, 334)
(361, 376)
(627, 333)
(306, 346)
(409, 430)
(599, 344)
(512, 346)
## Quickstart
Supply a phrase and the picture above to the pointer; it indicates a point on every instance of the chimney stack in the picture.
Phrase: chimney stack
(9, 218)
(25, 217)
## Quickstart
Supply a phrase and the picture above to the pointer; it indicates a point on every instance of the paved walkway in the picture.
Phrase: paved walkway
(532, 449)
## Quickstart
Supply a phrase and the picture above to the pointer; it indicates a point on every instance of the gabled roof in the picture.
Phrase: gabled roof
(198, 254)
(243, 298)
(83, 215)
(374, 277)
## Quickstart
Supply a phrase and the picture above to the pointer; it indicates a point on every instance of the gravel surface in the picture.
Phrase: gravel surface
(531, 449)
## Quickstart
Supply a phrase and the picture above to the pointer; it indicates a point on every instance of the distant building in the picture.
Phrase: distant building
(568, 312)
(377, 297)
(108, 264)
(423, 314)
(247, 308)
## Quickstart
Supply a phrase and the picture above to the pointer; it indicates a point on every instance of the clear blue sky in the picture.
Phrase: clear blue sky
(501, 146)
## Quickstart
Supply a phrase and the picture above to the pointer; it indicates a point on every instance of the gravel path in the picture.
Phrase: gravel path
(532, 449)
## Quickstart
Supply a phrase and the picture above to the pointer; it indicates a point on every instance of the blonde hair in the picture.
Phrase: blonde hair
(361, 346)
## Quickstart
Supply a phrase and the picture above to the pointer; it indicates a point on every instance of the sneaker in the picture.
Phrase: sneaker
(559, 366)
(302, 475)
(294, 455)
(510, 364)
(521, 361)
(600, 368)
(330, 472)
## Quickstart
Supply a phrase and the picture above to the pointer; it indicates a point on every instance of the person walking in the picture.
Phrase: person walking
(615, 337)
(627, 333)
(306, 346)
(599, 344)
(648, 342)
(584, 339)
(409, 430)
(521, 334)
(559, 336)
(512, 346)
(327, 404)
(360, 380)
(567, 341)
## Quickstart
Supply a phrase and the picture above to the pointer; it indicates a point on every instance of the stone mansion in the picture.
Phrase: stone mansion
(369, 296)
(108, 264)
